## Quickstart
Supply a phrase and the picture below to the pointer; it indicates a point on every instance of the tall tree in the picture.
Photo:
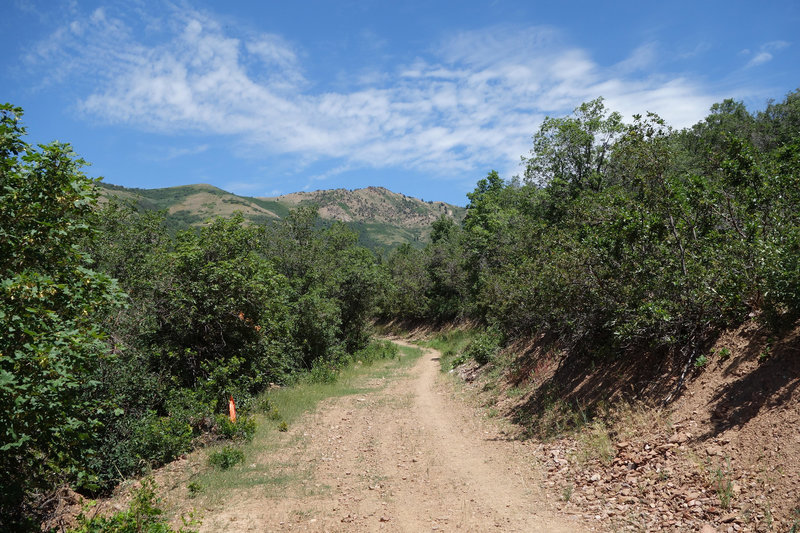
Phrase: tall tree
(49, 300)
(573, 152)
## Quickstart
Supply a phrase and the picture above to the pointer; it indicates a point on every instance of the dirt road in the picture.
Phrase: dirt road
(405, 457)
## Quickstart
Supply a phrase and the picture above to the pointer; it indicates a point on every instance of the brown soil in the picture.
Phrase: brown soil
(725, 455)
(418, 454)
(406, 457)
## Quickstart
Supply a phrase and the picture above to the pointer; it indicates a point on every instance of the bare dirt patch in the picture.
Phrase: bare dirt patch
(725, 455)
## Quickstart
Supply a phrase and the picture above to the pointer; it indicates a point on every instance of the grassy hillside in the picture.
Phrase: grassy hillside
(382, 218)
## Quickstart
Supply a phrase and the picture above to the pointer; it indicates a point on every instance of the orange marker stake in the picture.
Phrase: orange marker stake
(232, 409)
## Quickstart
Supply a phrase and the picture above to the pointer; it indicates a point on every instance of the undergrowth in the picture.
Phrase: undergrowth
(225, 457)
(451, 344)
(143, 516)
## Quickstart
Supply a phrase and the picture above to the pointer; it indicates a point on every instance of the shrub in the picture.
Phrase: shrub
(484, 347)
(160, 439)
(143, 516)
(377, 350)
(226, 457)
(51, 343)
(242, 430)
(323, 372)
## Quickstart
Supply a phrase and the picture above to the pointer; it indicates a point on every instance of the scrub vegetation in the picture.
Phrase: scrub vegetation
(124, 338)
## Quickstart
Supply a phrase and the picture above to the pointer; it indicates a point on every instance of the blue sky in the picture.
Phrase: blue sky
(263, 98)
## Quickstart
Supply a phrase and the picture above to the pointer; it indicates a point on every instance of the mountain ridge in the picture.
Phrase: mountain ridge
(382, 218)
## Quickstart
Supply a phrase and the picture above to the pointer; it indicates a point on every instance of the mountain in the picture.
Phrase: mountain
(382, 218)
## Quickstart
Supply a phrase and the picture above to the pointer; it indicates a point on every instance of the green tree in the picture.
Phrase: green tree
(408, 291)
(52, 341)
(227, 319)
(573, 152)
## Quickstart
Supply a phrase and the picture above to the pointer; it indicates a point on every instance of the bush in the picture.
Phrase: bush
(242, 430)
(484, 347)
(160, 439)
(143, 516)
(323, 372)
(226, 457)
(51, 343)
(377, 350)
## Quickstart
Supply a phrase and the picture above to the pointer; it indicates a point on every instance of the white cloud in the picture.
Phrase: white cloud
(762, 57)
(640, 59)
(766, 53)
(471, 104)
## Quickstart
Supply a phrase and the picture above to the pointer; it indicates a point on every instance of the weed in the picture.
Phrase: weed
(263, 404)
(455, 340)
(242, 430)
(768, 518)
(633, 420)
(724, 354)
(451, 344)
(595, 443)
(323, 372)
(701, 361)
(226, 457)
(724, 485)
(556, 418)
(195, 488)
(456, 361)
(767, 351)
(301, 515)
(376, 351)
(143, 516)
(795, 521)
(283, 427)
(566, 492)
(516, 392)
(484, 347)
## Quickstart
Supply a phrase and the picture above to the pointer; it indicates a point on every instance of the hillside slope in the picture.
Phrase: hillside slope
(725, 453)
(382, 218)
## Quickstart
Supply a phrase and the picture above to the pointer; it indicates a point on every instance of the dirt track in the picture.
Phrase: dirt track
(404, 457)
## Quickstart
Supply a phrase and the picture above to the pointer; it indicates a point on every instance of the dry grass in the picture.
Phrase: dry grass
(629, 421)
(210, 205)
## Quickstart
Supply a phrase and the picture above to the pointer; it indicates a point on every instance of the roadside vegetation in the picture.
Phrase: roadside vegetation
(123, 342)
(124, 339)
(622, 237)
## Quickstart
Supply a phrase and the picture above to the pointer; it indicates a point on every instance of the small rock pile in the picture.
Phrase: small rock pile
(661, 483)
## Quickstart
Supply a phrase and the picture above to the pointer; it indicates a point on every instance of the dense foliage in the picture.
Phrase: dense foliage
(625, 235)
(123, 341)
(51, 345)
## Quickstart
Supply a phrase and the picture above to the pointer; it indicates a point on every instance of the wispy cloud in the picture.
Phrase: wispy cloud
(765, 54)
(641, 58)
(760, 58)
(173, 152)
(472, 102)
